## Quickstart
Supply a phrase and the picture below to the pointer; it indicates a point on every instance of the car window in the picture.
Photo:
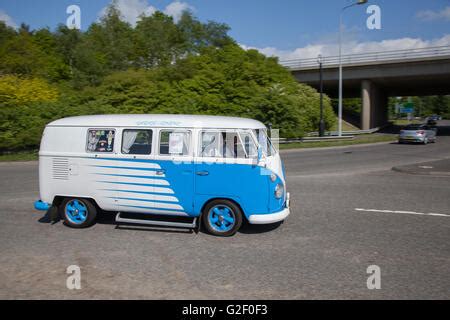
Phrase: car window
(210, 144)
(413, 128)
(227, 144)
(100, 140)
(174, 142)
(264, 141)
(249, 145)
(137, 141)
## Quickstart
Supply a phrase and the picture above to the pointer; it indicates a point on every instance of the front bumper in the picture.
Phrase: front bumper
(271, 217)
(411, 139)
(40, 205)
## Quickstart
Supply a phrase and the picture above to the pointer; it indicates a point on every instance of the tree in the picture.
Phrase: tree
(199, 35)
(6, 32)
(21, 124)
(17, 91)
(21, 55)
(158, 41)
(159, 66)
(67, 41)
(111, 39)
(226, 81)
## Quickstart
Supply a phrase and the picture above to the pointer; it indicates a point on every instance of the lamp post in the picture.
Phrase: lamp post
(321, 122)
(359, 2)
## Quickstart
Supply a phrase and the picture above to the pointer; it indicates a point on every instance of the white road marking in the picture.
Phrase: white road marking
(404, 212)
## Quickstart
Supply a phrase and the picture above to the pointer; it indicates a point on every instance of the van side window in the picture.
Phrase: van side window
(174, 142)
(100, 140)
(223, 144)
(250, 148)
(210, 144)
(137, 141)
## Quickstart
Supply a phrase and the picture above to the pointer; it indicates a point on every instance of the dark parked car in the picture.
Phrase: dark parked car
(435, 117)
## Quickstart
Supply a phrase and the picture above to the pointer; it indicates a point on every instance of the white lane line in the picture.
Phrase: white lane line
(404, 212)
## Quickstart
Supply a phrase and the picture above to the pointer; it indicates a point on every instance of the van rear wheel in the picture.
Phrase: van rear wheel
(78, 213)
(222, 217)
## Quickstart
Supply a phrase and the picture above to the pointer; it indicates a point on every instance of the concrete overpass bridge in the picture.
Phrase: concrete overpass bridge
(376, 76)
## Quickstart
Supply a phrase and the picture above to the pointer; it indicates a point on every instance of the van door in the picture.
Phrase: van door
(216, 172)
(136, 171)
(226, 167)
(175, 158)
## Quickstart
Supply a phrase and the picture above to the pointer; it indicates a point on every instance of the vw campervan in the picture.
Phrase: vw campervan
(217, 169)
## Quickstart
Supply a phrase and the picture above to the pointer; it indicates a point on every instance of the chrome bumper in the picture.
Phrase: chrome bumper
(271, 217)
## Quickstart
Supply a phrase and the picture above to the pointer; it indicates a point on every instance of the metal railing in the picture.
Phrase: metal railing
(370, 58)
(329, 135)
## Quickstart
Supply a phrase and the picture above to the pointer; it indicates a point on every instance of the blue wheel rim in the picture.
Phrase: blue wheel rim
(221, 218)
(76, 211)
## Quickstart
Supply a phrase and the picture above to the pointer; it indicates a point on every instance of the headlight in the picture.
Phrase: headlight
(273, 177)
(279, 190)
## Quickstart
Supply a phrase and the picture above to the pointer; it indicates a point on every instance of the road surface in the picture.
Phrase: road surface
(349, 211)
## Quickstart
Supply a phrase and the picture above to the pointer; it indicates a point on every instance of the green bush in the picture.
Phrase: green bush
(187, 67)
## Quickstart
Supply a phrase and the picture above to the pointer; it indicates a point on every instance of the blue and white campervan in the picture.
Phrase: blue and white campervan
(217, 170)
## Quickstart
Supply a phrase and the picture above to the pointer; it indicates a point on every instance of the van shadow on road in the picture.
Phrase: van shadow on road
(108, 218)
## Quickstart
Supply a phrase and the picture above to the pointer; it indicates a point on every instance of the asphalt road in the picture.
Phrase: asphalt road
(322, 251)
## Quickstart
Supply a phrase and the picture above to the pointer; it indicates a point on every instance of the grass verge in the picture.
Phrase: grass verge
(20, 156)
(345, 126)
(403, 122)
(361, 139)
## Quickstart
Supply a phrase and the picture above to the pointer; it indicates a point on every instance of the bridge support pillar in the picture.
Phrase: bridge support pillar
(374, 106)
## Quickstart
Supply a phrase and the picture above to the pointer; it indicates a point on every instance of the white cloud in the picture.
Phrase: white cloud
(7, 19)
(430, 15)
(131, 10)
(176, 9)
(352, 47)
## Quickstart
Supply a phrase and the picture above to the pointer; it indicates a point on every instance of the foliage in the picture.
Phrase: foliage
(18, 91)
(158, 66)
(226, 81)
(424, 106)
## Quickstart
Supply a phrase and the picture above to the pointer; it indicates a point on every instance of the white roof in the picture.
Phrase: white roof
(158, 120)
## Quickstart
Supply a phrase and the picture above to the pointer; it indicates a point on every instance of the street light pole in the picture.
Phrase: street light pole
(321, 121)
(340, 62)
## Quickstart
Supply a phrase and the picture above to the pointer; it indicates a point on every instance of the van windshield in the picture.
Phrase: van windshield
(264, 142)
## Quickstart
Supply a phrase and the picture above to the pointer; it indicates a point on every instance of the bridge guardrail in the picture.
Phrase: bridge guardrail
(313, 139)
(329, 135)
(372, 57)
(344, 133)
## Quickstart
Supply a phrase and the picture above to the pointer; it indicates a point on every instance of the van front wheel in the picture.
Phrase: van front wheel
(78, 213)
(222, 218)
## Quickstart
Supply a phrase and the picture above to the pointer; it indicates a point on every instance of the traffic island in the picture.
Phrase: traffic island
(431, 168)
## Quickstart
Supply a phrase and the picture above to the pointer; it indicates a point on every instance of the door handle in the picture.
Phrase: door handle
(160, 172)
(202, 173)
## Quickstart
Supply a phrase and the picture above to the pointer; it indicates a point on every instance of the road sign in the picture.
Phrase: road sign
(407, 108)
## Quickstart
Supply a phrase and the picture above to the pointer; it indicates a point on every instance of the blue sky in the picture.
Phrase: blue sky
(288, 28)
